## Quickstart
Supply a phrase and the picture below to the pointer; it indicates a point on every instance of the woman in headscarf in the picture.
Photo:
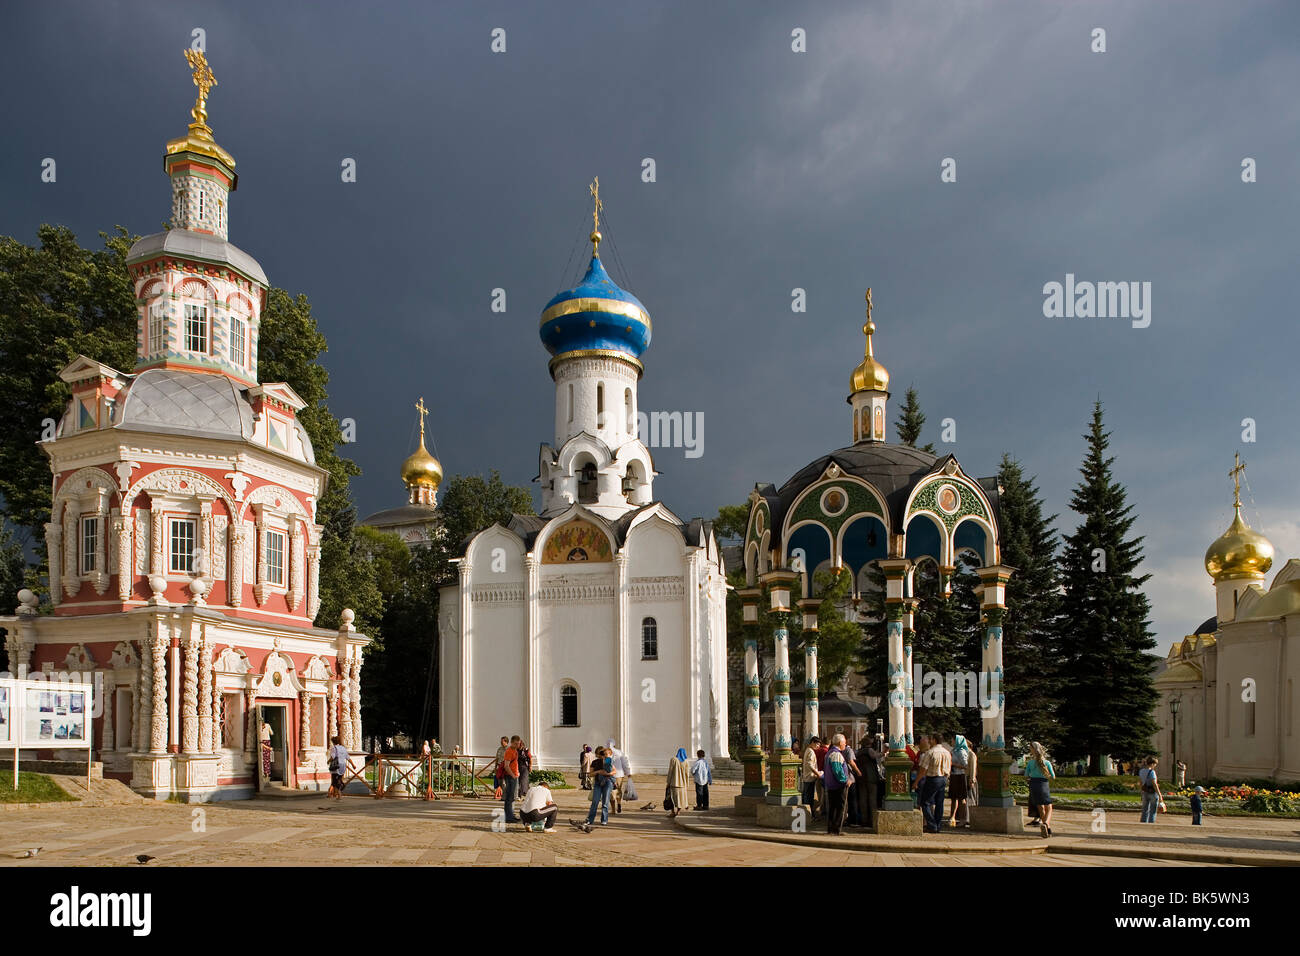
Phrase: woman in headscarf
(679, 779)
(960, 782)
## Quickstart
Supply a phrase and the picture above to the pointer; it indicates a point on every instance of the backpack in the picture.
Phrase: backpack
(334, 764)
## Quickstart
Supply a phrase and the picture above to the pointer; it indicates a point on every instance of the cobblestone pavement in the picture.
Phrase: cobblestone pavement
(311, 830)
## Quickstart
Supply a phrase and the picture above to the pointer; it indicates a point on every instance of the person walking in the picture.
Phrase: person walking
(1039, 770)
(584, 766)
(811, 774)
(338, 766)
(959, 789)
(1152, 801)
(703, 776)
(510, 779)
(679, 779)
(1196, 806)
(539, 805)
(601, 776)
(836, 781)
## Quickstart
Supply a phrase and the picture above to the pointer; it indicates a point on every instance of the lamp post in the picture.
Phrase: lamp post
(1174, 704)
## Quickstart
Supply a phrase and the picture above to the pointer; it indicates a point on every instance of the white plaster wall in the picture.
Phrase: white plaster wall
(576, 641)
(656, 729)
(497, 662)
(584, 375)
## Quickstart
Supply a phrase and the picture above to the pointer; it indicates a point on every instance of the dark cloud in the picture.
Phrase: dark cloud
(775, 170)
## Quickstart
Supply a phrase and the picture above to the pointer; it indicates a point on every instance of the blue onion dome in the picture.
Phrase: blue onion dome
(596, 317)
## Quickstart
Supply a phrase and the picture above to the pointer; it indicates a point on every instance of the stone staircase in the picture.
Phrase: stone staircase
(727, 770)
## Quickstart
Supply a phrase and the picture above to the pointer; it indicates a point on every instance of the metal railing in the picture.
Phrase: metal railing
(417, 776)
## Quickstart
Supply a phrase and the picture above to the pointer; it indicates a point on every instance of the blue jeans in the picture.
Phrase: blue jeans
(509, 789)
(931, 794)
(601, 789)
(1150, 806)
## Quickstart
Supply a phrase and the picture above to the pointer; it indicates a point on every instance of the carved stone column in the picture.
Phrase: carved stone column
(262, 589)
(218, 725)
(71, 519)
(205, 539)
(190, 694)
(123, 528)
(205, 693)
(156, 539)
(304, 730)
(251, 745)
(345, 706)
(158, 708)
(313, 580)
(296, 570)
(99, 579)
(356, 699)
(143, 695)
(107, 741)
(54, 549)
(332, 709)
(235, 567)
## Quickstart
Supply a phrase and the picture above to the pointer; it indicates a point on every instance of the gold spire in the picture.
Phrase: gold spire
(1241, 551)
(199, 140)
(422, 470)
(597, 206)
(870, 375)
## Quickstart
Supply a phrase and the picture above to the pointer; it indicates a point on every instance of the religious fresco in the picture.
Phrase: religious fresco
(575, 542)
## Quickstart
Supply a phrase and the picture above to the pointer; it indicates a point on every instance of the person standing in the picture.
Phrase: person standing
(836, 782)
(963, 772)
(932, 782)
(584, 764)
(601, 776)
(1151, 798)
(868, 790)
(510, 779)
(539, 805)
(823, 746)
(679, 779)
(525, 766)
(1039, 770)
(853, 817)
(703, 776)
(338, 766)
(1196, 806)
(811, 774)
(622, 770)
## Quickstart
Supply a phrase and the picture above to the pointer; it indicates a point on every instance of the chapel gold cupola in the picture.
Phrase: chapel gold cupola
(202, 173)
(869, 390)
(421, 472)
(1239, 558)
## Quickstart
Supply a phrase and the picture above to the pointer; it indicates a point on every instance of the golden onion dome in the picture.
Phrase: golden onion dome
(421, 468)
(870, 375)
(1240, 552)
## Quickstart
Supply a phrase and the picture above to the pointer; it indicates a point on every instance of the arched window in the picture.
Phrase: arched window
(567, 701)
(600, 404)
(649, 639)
(630, 412)
(570, 401)
(588, 491)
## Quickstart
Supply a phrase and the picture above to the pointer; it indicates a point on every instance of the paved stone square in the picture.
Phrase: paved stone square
(361, 831)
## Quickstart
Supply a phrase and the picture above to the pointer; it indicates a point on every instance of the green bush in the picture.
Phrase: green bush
(552, 778)
(1112, 786)
(1268, 803)
(1019, 785)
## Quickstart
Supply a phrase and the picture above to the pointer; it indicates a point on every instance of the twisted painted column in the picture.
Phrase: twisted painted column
(206, 712)
(158, 701)
(190, 696)
(994, 771)
(356, 698)
(783, 767)
(898, 796)
(909, 668)
(751, 755)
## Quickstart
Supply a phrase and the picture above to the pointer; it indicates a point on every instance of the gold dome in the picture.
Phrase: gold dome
(422, 469)
(1241, 552)
(870, 375)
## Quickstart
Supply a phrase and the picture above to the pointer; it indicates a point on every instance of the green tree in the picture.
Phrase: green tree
(1031, 626)
(910, 421)
(57, 301)
(731, 523)
(1107, 693)
(472, 503)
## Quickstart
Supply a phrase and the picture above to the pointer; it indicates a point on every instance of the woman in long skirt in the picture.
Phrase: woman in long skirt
(679, 779)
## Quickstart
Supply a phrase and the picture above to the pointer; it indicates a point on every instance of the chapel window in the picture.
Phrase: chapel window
(587, 483)
(568, 705)
(649, 639)
(202, 206)
(275, 557)
(237, 344)
(157, 330)
(184, 531)
(89, 543)
(196, 328)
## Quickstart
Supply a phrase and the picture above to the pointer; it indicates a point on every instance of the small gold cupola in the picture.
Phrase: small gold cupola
(421, 472)
(869, 390)
(1239, 558)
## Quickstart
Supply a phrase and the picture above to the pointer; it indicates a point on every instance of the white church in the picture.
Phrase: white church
(604, 616)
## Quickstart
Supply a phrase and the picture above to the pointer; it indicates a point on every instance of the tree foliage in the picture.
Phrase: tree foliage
(910, 421)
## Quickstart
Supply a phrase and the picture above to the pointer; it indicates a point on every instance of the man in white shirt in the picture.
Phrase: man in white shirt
(538, 805)
(622, 770)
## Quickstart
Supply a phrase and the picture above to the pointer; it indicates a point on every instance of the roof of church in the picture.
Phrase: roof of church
(190, 403)
(528, 527)
(406, 514)
(892, 469)
(196, 245)
(595, 316)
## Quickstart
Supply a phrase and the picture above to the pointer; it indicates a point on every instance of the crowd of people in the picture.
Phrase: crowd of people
(607, 773)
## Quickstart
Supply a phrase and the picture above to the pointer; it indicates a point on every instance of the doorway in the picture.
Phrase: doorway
(276, 717)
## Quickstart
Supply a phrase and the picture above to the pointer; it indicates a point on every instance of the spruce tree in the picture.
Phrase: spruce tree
(1107, 693)
(1031, 625)
(910, 421)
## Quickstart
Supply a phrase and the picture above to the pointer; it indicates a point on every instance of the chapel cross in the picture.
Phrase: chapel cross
(1235, 474)
(204, 80)
(594, 189)
(868, 303)
(419, 407)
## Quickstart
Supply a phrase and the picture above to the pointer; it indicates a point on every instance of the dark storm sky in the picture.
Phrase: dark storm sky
(776, 170)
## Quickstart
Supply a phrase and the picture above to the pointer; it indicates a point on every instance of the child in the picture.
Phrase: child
(703, 776)
(1196, 806)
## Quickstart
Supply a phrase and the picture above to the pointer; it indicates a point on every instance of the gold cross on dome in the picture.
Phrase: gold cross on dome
(1235, 474)
(419, 407)
(594, 189)
(868, 303)
(204, 80)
